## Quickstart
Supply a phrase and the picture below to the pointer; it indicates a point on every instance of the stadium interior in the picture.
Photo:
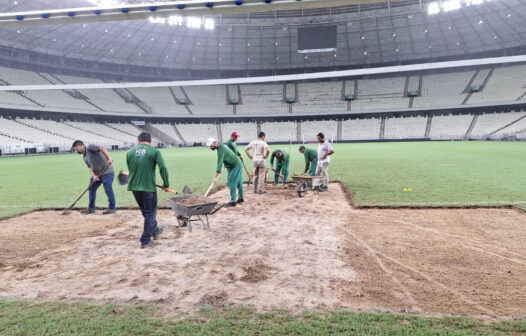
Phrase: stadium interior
(393, 203)
(444, 103)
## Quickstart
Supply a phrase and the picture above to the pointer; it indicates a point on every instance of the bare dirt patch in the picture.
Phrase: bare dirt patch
(277, 251)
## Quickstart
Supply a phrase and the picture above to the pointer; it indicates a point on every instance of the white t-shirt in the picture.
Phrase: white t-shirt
(324, 148)
(259, 147)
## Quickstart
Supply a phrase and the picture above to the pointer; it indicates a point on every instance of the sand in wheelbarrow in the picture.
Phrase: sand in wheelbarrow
(191, 201)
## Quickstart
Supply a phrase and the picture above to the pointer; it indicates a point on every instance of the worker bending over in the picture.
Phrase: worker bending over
(233, 166)
(311, 160)
(141, 160)
(101, 169)
(282, 165)
(260, 152)
(325, 150)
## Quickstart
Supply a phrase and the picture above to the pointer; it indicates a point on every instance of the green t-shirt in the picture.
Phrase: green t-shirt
(227, 157)
(141, 161)
(310, 156)
(283, 159)
(233, 146)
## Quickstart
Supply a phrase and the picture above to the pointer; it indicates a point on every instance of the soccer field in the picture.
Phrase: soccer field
(438, 173)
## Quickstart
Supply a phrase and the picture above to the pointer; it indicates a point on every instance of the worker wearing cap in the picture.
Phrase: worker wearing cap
(142, 160)
(311, 160)
(225, 156)
(231, 143)
(282, 164)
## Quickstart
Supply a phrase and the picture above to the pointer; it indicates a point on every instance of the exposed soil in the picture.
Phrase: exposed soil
(277, 251)
(192, 200)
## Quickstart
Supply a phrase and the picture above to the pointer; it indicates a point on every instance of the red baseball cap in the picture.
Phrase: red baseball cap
(234, 135)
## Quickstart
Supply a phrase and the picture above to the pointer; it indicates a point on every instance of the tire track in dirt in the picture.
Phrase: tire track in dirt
(475, 248)
(427, 277)
(388, 271)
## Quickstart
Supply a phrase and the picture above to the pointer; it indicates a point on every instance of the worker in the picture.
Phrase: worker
(233, 165)
(325, 150)
(231, 143)
(101, 169)
(260, 152)
(282, 165)
(311, 160)
(142, 160)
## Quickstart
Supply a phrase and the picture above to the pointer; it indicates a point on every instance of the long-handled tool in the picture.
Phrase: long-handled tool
(123, 180)
(209, 188)
(280, 176)
(248, 174)
(68, 209)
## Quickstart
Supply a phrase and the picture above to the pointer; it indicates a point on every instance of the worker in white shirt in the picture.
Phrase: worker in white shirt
(260, 152)
(325, 150)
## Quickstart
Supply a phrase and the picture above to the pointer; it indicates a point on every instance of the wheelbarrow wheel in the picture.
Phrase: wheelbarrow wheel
(302, 188)
(181, 221)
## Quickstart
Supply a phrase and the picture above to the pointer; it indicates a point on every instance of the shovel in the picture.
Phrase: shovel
(123, 180)
(68, 209)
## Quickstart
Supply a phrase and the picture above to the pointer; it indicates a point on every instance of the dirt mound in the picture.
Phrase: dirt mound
(255, 270)
(215, 300)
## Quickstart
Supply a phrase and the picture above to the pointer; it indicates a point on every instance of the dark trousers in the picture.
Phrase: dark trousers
(107, 181)
(147, 201)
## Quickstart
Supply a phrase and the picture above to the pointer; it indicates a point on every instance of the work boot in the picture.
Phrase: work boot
(239, 201)
(108, 212)
(158, 234)
(231, 204)
(87, 211)
(261, 192)
(149, 244)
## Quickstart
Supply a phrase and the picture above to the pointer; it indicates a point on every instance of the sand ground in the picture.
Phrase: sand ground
(277, 251)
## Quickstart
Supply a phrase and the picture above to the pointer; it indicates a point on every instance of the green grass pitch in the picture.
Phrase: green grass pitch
(438, 173)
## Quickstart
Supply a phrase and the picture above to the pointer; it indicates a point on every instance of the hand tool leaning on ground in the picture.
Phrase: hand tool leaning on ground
(280, 176)
(123, 180)
(248, 174)
(67, 210)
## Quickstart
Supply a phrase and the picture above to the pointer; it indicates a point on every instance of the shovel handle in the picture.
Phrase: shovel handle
(167, 189)
(209, 188)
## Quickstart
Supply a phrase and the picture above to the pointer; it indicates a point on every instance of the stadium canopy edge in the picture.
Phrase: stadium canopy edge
(161, 9)
(280, 78)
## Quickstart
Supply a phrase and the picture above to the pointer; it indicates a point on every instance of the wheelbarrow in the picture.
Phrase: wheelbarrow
(306, 182)
(185, 213)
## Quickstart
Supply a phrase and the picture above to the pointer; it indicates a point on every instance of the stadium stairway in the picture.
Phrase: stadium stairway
(15, 137)
(119, 130)
(179, 134)
(471, 126)
(506, 126)
(21, 93)
(156, 133)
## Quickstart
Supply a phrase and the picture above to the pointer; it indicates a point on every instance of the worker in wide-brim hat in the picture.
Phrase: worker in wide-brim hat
(225, 156)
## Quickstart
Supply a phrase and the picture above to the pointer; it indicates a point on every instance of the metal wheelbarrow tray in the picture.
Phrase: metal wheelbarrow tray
(305, 182)
(184, 213)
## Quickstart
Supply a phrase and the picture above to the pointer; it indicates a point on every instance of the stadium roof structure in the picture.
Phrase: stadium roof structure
(265, 42)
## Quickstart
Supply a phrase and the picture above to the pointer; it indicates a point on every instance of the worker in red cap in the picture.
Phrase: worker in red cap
(231, 143)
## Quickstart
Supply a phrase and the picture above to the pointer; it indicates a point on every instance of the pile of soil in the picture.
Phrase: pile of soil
(191, 201)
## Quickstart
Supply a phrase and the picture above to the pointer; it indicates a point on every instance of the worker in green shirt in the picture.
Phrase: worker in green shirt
(311, 160)
(231, 143)
(282, 164)
(141, 160)
(225, 156)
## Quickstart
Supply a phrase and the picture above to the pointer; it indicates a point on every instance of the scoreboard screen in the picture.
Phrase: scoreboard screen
(316, 39)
